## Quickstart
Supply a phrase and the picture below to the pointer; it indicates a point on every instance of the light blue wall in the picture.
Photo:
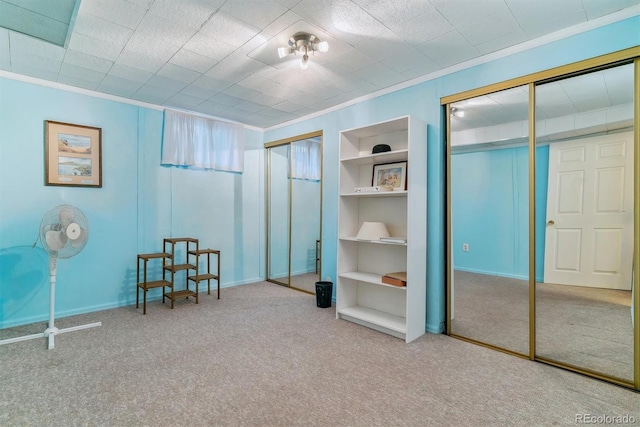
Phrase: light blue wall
(423, 102)
(138, 205)
(141, 202)
(490, 210)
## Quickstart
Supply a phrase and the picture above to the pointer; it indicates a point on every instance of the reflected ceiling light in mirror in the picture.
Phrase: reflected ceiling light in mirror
(303, 43)
(457, 112)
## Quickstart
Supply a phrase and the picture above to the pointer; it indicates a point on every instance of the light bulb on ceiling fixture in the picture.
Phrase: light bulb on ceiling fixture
(303, 43)
(323, 47)
(283, 51)
(457, 112)
(304, 62)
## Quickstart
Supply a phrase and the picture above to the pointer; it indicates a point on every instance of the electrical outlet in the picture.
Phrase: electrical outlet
(465, 247)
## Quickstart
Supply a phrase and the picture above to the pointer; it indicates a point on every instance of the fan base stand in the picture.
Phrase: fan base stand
(51, 331)
(50, 334)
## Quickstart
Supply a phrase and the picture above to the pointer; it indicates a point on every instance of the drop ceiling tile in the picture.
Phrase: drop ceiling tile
(448, 49)
(193, 61)
(280, 24)
(23, 20)
(206, 45)
(117, 91)
(163, 29)
(77, 82)
(342, 18)
(380, 75)
(60, 10)
(21, 43)
(172, 85)
(266, 100)
(489, 28)
(101, 29)
(620, 114)
(96, 47)
(382, 46)
(192, 14)
(406, 60)
(598, 8)
(226, 100)
(353, 61)
(5, 54)
(121, 12)
(422, 28)
(154, 47)
(229, 30)
(181, 100)
(619, 93)
(90, 62)
(29, 70)
(130, 73)
(178, 73)
(258, 13)
(34, 61)
(460, 13)
(121, 83)
(140, 61)
(395, 14)
(198, 92)
(503, 42)
(241, 92)
(153, 95)
(234, 68)
(545, 16)
(249, 106)
(258, 83)
(211, 83)
(213, 108)
(81, 73)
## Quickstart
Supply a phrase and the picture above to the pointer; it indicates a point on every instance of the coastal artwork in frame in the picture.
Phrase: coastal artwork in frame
(73, 155)
(392, 174)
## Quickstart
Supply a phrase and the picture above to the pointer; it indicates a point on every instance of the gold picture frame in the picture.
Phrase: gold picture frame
(392, 174)
(72, 155)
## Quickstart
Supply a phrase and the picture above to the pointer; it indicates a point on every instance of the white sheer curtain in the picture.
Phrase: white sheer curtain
(202, 143)
(305, 160)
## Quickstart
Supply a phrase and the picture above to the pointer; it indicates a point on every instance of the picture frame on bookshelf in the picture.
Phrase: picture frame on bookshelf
(393, 174)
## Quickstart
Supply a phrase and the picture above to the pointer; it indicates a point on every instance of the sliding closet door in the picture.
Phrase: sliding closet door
(305, 213)
(489, 202)
(585, 227)
(279, 208)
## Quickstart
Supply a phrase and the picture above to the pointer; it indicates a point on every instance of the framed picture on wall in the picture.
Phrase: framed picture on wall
(393, 174)
(72, 155)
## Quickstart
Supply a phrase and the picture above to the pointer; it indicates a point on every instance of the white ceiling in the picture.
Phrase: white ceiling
(218, 57)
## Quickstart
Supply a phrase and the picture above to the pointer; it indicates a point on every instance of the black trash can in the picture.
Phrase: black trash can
(323, 294)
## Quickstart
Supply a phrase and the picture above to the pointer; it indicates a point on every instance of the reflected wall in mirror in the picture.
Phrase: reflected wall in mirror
(584, 243)
(489, 181)
(305, 213)
(294, 189)
(279, 204)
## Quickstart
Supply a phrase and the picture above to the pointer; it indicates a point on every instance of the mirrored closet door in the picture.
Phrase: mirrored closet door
(584, 244)
(294, 189)
(489, 169)
(544, 213)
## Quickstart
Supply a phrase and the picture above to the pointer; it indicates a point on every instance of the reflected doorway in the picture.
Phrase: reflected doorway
(294, 211)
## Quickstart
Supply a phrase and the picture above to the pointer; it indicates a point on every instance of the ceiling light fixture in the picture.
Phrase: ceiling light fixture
(303, 43)
(457, 112)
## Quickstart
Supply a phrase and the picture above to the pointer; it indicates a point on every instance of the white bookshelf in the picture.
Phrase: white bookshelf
(361, 296)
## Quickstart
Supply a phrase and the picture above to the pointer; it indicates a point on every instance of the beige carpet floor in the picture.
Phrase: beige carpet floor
(585, 327)
(266, 355)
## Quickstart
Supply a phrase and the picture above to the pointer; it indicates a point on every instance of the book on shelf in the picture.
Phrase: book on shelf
(374, 189)
(398, 278)
(394, 239)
